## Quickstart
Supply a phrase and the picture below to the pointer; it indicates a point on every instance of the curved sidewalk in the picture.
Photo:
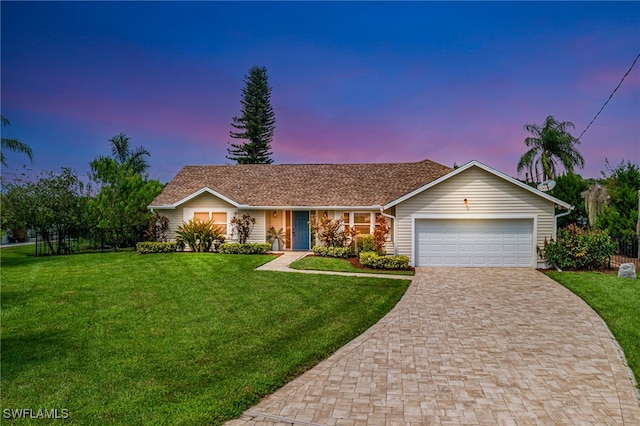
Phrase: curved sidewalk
(467, 346)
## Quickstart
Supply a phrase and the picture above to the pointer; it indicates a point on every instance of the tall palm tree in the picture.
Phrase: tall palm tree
(550, 146)
(13, 144)
(124, 155)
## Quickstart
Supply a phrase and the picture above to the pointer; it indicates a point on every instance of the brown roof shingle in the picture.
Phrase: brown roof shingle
(321, 185)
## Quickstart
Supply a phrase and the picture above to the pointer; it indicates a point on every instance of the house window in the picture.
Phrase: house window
(219, 218)
(201, 217)
(361, 221)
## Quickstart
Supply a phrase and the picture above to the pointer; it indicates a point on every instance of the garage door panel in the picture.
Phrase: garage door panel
(477, 242)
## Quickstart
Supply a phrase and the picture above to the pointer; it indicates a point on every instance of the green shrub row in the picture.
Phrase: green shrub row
(247, 248)
(372, 259)
(579, 249)
(327, 251)
(154, 247)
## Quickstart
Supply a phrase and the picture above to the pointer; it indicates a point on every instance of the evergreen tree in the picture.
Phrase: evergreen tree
(257, 122)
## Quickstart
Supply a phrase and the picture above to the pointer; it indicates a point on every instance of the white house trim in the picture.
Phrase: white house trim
(194, 195)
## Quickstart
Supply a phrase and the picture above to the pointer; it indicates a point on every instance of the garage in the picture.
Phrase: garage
(500, 242)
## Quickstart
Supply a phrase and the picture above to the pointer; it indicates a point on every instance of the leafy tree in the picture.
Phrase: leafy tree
(569, 188)
(550, 146)
(620, 217)
(119, 210)
(257, 122)
(54, 206)
(12, 144)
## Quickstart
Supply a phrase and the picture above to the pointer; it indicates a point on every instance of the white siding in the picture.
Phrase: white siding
(487, 195)
(209, 202)
(259, 233)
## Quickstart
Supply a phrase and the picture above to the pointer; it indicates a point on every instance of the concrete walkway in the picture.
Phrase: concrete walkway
(288, 257)
(467, 346)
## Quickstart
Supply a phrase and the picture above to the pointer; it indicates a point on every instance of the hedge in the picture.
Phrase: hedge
(374, 260)
(154, 247)
(579, 249)
(327, 251)
(247, 248)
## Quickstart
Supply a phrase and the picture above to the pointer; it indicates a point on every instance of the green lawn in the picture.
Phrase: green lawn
(180, 338)
(617, 301)
(317, 263)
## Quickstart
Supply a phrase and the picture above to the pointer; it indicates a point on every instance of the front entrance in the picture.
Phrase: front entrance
(301, 237)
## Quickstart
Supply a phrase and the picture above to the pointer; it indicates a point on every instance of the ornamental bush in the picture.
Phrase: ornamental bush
(372, 259)
(199, 235)
(579, 249)
(246, 248)
(327, 251)
(155, 247)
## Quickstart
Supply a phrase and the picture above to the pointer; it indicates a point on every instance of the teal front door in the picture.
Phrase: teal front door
(300, 230)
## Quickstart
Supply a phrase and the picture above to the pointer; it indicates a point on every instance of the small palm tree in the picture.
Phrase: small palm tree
(13, 144)
(124, 155)
(550, 146)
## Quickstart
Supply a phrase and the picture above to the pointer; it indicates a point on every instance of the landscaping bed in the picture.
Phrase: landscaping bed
(349, 264)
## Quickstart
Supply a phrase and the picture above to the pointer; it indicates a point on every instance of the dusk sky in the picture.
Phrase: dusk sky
(351, 82)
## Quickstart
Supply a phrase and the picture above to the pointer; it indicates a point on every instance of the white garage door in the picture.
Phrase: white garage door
(477, 242)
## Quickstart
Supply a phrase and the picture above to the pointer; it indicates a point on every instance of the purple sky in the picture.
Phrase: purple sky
(352, 82)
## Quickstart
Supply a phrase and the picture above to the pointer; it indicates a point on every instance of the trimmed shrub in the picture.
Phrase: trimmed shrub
(367, 244)
(372, 259)
(246, 248)
(579, 249)
(327, 251)
(155, 247)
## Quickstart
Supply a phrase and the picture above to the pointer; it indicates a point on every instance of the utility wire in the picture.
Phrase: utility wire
(610, 96)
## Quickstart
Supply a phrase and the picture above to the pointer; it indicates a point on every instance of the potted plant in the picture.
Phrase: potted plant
(276, 238)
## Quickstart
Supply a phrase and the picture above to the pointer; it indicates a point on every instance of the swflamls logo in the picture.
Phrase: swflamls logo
(39, 413)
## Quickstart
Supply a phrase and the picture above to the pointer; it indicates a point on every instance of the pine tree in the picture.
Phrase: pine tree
(257, 122)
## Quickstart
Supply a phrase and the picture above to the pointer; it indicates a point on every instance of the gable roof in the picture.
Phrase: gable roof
(301, 185)
(486, 168)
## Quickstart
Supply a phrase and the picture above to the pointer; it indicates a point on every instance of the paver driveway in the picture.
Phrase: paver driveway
(467, 346)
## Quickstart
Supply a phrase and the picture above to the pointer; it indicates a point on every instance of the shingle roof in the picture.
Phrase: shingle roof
(279, 185)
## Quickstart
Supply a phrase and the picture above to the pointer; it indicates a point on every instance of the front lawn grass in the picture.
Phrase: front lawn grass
(319, 263)
(617, 301)
(181, 338)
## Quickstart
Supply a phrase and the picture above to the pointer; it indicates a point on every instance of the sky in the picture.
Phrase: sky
(352, 82)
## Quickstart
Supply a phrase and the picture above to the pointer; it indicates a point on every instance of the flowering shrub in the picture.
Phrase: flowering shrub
(577, 249)
(241, 226)
(331, 232)
(246, 248)
(372, 259)
(158, 228)
(380, 232)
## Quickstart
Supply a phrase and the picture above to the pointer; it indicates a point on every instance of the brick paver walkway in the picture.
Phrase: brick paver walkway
(467, 346)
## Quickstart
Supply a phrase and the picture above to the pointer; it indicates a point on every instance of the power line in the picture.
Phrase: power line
(610, 96)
